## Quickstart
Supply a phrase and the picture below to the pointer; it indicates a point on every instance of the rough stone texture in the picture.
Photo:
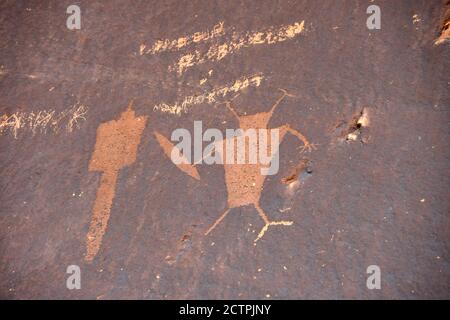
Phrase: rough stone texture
(379, 196)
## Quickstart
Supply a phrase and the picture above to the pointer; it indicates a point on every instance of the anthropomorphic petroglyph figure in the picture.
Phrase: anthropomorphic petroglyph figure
(115, 147)
(245, 181)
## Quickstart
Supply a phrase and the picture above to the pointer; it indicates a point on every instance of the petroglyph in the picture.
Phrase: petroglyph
(115, 147)
(43, 121)
(210, 96)
(444, 29)
(167, 147)
(245, 182)
(217, 52)
(176, 44)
